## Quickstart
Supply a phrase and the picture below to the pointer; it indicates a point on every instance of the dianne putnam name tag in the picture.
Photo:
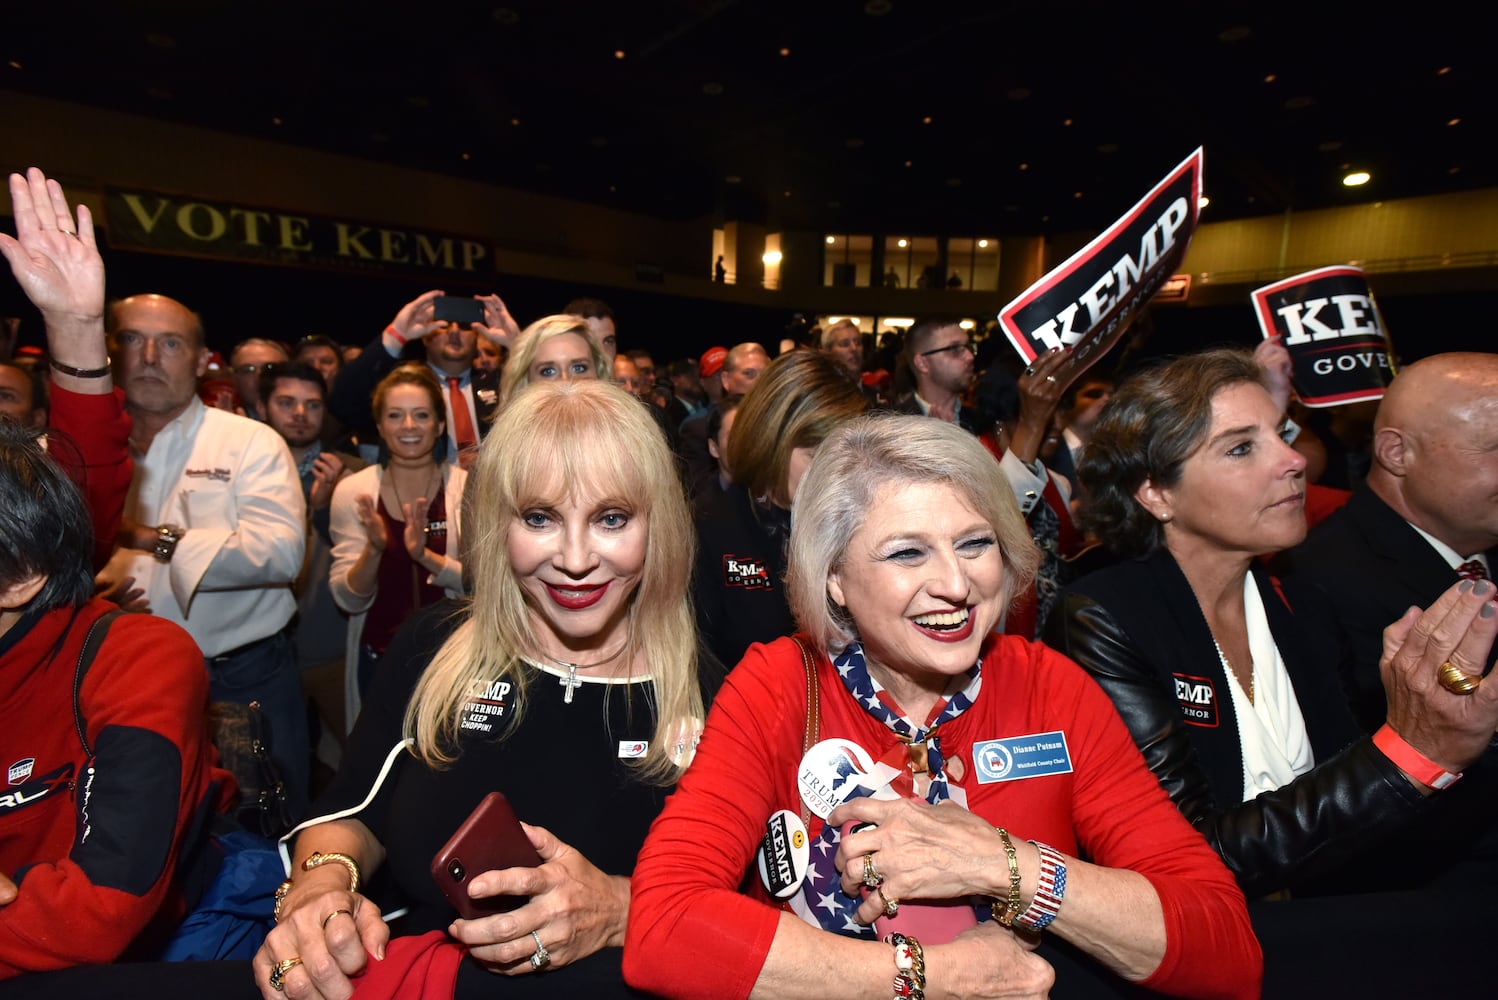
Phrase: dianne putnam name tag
(1016, 757)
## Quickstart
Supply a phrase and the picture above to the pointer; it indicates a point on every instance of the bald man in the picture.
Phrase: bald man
(213, 528)
(1428, 514)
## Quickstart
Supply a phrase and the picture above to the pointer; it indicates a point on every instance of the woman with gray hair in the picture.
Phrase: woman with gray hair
(899, 707)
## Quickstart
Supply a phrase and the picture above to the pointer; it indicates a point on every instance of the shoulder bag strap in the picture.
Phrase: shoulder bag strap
(91, 643)
(813, 711)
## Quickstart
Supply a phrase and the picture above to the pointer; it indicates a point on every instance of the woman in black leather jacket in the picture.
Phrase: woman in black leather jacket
(1227, 680)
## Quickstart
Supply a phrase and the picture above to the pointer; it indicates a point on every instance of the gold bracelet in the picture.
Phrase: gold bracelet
(316, 860)
(1004, 911)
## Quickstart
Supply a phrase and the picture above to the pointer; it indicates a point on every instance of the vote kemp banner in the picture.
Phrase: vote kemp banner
(1329, 322)
(1087, 302)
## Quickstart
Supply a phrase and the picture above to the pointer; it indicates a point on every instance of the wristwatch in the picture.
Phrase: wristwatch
(167, 537)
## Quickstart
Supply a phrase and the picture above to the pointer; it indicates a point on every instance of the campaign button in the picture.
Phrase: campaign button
(783, 854)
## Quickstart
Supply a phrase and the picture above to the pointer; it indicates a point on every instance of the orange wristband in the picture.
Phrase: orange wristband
(1412, 761)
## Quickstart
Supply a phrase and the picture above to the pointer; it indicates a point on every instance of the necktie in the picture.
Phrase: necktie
(462, 421)
(1472, 569)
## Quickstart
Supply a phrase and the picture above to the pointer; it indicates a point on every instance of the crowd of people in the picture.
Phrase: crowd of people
(802, 679)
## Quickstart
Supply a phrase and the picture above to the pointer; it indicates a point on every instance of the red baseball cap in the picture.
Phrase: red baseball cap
(712, 361)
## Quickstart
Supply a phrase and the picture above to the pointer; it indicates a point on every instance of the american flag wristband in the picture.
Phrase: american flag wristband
(1049, 890)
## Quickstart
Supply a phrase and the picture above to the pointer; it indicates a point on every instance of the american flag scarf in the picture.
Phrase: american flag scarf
(821, 900)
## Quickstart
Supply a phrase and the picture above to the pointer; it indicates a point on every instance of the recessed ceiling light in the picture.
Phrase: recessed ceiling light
(1453, 121)
(504, 15)
(514, 121)
(902, 244)
(1076, 194)
(785, 52)
(982, 244)
(926, 120)
(1453, 170)
(878, 8)
(787, 194)
(618, 53)
(712, 88)
(831, 240)
(1018, 93)
(909, 163)
(732, 179)
(1067, 122)
(1330, 146)
(1357, 178)
(275, 121)
(1108, 148)
(1270, 78)
(1443, 71)
(1024, 166)
(613, 188)
(467, 156)
(14, 64)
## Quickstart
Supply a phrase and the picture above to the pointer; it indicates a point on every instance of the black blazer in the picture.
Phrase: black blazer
(1371, 566)
(1138, 630)
(355, 386)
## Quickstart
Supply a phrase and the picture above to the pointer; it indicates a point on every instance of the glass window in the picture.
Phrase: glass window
(847, 260)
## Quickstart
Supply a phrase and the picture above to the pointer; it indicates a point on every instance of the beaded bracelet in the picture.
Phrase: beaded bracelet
(910, 967)
(1050, 890)
(1005, 910)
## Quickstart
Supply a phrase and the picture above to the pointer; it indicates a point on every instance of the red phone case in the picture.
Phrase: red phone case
(490, 838)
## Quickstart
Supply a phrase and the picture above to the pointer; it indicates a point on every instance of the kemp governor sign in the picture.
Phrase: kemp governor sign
(196, 227)
(1329, 322)
(1087, 302)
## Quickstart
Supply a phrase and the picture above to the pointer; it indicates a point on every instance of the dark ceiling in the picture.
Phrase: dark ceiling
(940, 116)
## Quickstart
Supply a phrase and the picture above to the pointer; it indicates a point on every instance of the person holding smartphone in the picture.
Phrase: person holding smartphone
(569, 681)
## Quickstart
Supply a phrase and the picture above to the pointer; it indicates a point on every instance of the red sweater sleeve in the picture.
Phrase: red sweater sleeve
(92, 442)
(144, 702)
(691, 933)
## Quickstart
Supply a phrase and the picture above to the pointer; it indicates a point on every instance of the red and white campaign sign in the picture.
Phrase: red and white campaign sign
(1339, 350)
(1087, 302)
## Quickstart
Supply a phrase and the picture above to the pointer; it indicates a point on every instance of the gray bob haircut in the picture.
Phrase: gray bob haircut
(838, 491)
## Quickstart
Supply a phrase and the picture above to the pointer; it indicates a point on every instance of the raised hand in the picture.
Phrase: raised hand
(499, 327)
(1274, 361)
(54, 258)
(414, 320)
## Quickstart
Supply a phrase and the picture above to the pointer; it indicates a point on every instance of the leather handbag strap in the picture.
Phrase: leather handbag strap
(813, 712)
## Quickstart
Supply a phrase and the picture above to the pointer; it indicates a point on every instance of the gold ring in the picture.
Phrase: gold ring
(278, 974)
(335, 913)
(891, 906)
(871, 876)
(1457, 680)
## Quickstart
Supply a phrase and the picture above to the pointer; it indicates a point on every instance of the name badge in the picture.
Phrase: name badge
(783, 854)
(1017, 757)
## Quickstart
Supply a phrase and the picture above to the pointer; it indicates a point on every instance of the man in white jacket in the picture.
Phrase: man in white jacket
(213, 533)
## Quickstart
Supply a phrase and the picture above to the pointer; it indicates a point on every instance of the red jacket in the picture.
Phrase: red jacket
(92, 843)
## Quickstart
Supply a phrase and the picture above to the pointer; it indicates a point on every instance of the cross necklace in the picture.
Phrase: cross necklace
(571, 682)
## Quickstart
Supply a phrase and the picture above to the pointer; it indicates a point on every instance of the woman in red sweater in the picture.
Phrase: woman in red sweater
(905, 548)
